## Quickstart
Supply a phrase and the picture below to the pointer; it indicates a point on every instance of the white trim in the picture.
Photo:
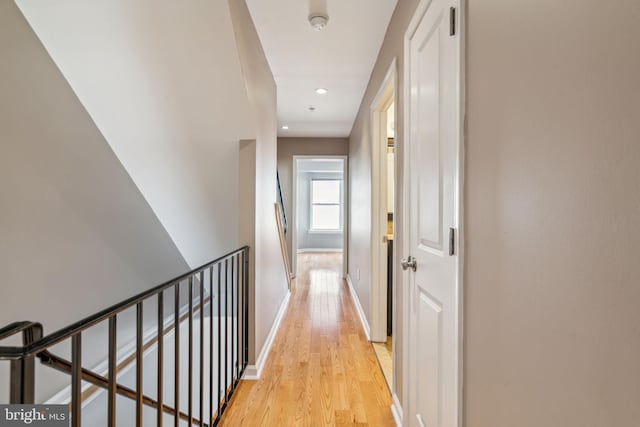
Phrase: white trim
(324, 231)
(345, 212)
(294, 224)
(382, 101)
(253, 372)
(406, 92)
(340, 205)
(396, 410)
(356, 302)
(461, 26)
(336, 250)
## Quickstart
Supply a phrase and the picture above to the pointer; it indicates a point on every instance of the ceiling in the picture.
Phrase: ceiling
(339, 58)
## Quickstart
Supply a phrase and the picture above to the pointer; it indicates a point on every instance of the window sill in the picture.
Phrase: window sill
(314, 231)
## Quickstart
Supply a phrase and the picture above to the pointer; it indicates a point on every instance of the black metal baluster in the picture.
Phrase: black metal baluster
(22, 372)
(226, 330)
(211, 345)
(111, 404)
(76, 379)
(236, 348)
(176, 355)
(246, 308)
(201, 348)
(160, 383)
(233, 332)
(219, 341)
(237, 317)
(190, 373)
(139, 352)
(240, 319)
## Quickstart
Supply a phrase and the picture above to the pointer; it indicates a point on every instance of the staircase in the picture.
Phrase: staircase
(281, 222)
(181, 368)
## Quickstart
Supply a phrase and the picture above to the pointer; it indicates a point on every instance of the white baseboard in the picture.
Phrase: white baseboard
(253, 372)
(396, 410)
(302, 251)
(356, 301)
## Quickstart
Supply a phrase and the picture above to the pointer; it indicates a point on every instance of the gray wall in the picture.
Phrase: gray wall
(307, 239)
(77, 235)
(164, 85)
(270, 281)
(359, 234)
(289, 147)
(552, 210)
(552, 278)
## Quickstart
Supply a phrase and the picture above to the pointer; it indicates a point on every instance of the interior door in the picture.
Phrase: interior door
(433, 153)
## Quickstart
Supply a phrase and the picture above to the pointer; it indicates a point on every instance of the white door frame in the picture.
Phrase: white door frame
(345, 207)
(459, 209)
(381, 103)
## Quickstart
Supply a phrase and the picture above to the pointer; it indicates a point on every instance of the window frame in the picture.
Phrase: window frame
(340, 205)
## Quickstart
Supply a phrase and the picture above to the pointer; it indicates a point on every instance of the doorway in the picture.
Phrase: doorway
(319, 203)
(383, 181)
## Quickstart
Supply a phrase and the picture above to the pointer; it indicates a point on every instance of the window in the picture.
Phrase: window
(326, 206)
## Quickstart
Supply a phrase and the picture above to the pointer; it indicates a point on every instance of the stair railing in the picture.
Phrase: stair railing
(283, 213)
(221, 285)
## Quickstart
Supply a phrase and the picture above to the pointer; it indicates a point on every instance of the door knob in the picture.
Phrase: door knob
(409, 262)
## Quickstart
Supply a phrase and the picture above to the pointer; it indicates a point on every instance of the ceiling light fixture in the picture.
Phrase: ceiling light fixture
(321, 91)
(318, 22)
(318, 15)
(285, 127)
(312, 108)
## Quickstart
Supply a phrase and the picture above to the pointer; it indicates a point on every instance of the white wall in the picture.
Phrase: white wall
(306, 238)
(163, 83)
(77, 235)
(552, 277)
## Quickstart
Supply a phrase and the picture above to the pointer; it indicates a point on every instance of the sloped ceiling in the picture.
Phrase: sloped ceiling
(339, 58)
(163, 83)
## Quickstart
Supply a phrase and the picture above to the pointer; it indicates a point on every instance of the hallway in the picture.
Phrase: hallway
(321, 370)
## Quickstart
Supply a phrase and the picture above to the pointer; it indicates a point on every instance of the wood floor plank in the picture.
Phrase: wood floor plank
(321, 370)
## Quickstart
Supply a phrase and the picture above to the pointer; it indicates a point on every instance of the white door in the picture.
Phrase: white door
(433, 55)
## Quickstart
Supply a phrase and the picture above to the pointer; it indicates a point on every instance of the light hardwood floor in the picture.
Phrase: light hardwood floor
(321, 370)
(383, 351)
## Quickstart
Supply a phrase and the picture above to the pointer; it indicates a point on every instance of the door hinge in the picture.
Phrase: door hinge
(452, 241)
(452, 21)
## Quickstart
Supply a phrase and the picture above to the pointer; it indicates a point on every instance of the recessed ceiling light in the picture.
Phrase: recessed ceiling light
(285, 127)
(321, 91)
(312, 108)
